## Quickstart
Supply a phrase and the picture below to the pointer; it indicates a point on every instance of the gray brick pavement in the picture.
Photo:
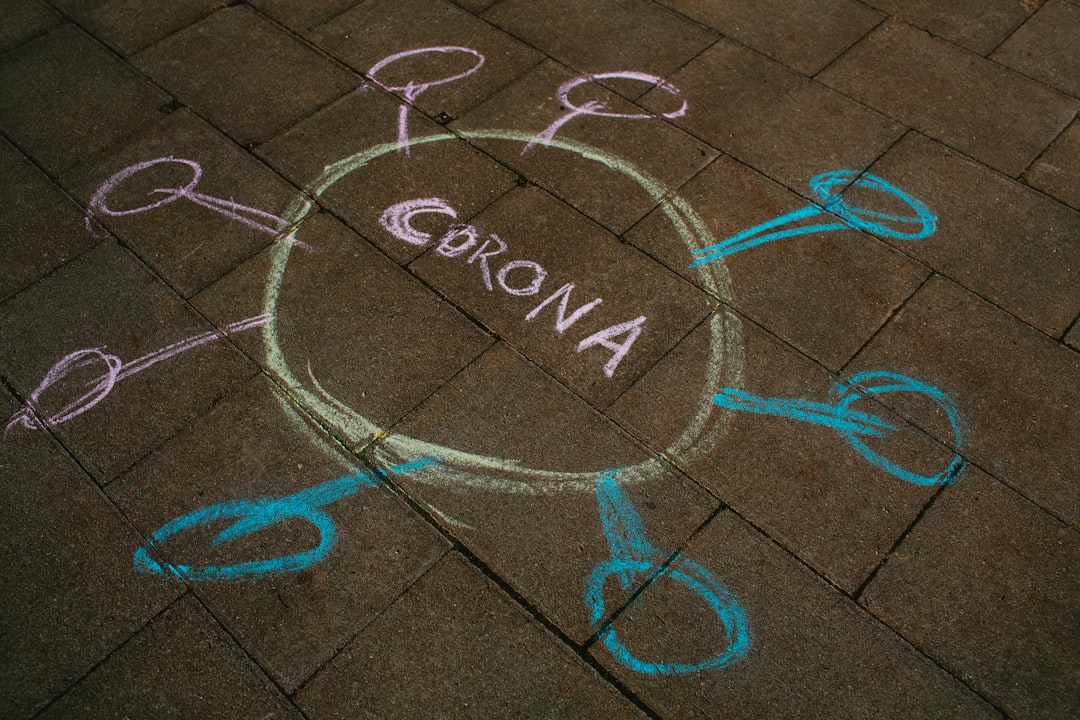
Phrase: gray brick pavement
(312, 412)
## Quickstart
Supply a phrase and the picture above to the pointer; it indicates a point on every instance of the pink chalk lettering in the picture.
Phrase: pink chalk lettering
(397, 219)
(252, 217)
(604, 338)
(482, 256)
(562, 322)
(532, 288)
(446, 246)
(412, 90)
(596, 109)
(28, 417)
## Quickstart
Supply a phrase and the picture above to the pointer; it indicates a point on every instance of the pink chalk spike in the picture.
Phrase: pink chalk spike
(596, 109)
(28, 417)
(412, 90)
(252, 217)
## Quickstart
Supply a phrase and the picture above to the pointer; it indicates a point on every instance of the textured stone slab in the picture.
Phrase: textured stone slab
(106, 300)
(301, 16)
(455, 646)
(68, 98)
(41, 227)
(359, 341)
(1045, 48)
(815, 653)
(129, 25)
(68, 592)
(245, 74)
(644, 308)
(256, 444)
(347, 155)
(1018, 389)
(793, 132)
(605, 35)
(181, 666)
(189, 244)
(374, 31)
(26, 19)
(1056, 170)
(826, 293)
(986, 585)
(943, 91)
(532, 513)
(599, 170)
(978, 27)
(801, 483)
(1011, 245)
(805, 36)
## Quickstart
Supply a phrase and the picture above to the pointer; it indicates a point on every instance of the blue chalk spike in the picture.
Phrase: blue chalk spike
(855, 426)
(252, 516)
(850, 217)
(632, 554)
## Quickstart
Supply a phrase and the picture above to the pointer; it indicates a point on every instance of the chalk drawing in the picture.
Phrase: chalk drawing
(114, 370)
(632, 555)
(461, 469)
(252, 516)
(849, 217)
(459, 239)
(252, 217)
(412, 90)
(855, 425)
(596, 109)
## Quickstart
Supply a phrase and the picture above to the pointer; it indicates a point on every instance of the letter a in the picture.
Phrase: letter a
(632, 328)
(561, 321)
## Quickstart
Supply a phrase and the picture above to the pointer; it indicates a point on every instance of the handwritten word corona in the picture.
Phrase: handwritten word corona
(462, 239)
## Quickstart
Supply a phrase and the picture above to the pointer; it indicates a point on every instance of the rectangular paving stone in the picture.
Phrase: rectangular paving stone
(617, 168)
(530, 511)
(1073, 336)
(42, 227)
(301, 16)
(605, 35)
(826, 293)
(128, 26)
(644, 309)
(378, 29)
(325, 154)
(68, 98)
(181, 666)
(257, 444)
(106, 300)
(1017, 388)
(1010, 244)
(457, 647)
(802, 483)
(805, 36)
(68, 592)
(1056, 169)
(189, 244)
(24, 20)
(814, 653)
(986, 585)
(245, 74)
(793, 132)
(942, 91)
(357, 340)
(1045, 47)
(979, 27)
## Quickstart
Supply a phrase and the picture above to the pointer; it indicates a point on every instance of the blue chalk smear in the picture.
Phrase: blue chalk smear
(853, 425)
(848, 215)
(252, 516)
(633, 555)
